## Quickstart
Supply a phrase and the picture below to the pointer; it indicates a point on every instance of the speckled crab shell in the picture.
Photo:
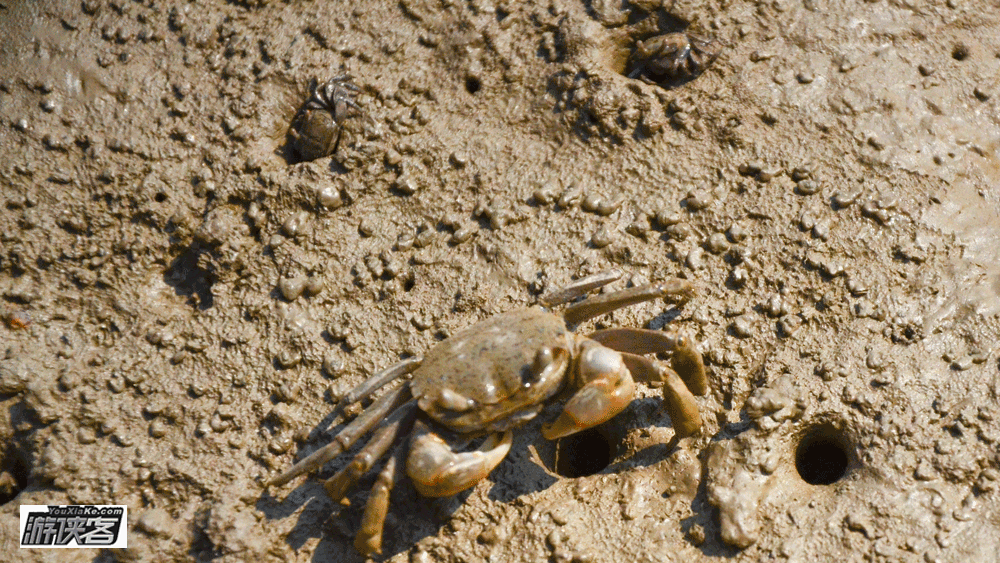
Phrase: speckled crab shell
(497, 373)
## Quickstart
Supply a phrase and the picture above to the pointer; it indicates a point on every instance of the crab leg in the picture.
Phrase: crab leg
(635, 340)
(379, 380)
(397, 425)
(346, 438)
(438, 471)
(688, 363)
(369, 538)
(601, 304)
(680, 404)
(686, 360)
(579, 288)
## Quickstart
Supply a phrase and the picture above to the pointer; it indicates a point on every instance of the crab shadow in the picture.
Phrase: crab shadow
(411, 517)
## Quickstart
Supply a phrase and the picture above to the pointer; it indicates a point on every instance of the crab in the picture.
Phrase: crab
(497, 375)
(672, 57)
(316, 128)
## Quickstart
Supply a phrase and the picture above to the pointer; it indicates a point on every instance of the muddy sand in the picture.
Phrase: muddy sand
(184, 299)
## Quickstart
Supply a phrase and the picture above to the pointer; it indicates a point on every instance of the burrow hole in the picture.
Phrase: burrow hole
(472, 84)
(960, 52)
(823, 455)
(584, 453)
(13, 474)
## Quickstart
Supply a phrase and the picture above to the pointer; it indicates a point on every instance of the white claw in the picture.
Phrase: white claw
(438, 471)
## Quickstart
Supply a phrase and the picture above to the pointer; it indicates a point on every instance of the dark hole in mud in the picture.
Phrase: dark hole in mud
(822, 456)
(473, 85)
(960, 52)
(190, 279)
(584, 453)
(13, 475)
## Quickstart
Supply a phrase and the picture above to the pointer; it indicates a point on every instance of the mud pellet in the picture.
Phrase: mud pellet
(157, 428)
(425, 238)
(856, 287)
(843, 199)
(116, 385)
(821, 230)
(962, 364)
(698, 200)
(696, 535)
(367, 227)
(295, 224)
(737, 233)
(288, 358)
(406, 184)
(545, 194)
(292, 288)
(802, 172)
(463, 234)
(329, 197)
(776, 306)
(742, 327)
(607, 207)
(405, 242)
(717, 243)
(738, 277)
(666, 218)
(874, 360)
(680, 231)
(85, 435)
(392, 157)
(807, 187)
(602, 237)
(788, 325)
(695, 258)
(871, 209)
(333, 365)
(806, 221)
(315, 286)
(218, 425)
(278, 445)
(570, 196)
(638, 228)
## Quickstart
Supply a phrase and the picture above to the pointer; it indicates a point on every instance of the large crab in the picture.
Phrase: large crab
(316, 128)
(496, 375)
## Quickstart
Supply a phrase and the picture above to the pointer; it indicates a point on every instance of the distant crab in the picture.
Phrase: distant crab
(316, 128)
(672, 57)
(497, 375)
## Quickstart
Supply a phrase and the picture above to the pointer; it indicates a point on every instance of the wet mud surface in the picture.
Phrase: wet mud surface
(183, 301)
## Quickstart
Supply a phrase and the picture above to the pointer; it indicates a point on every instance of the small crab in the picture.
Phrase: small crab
(497, 375)
(316, 128)
(672, 57)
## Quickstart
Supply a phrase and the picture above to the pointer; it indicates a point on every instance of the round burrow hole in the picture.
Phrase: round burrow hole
(13, 474)
(823, 455)
(960, 52)
(584, 453)
(473, 85)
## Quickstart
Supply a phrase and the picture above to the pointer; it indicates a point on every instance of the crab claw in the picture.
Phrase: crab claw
(438, 471)
(608, 390)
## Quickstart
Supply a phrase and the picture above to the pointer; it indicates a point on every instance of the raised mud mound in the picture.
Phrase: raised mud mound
(183, 301)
